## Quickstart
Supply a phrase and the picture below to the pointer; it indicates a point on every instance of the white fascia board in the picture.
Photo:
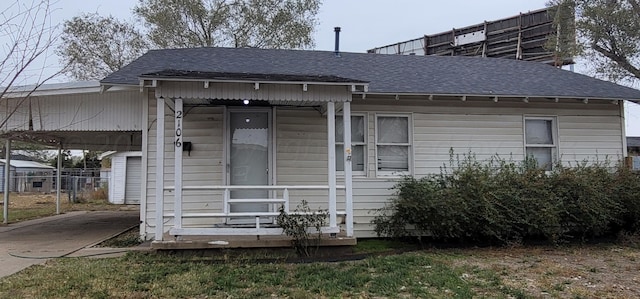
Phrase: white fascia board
(365, 85)
(457, 96)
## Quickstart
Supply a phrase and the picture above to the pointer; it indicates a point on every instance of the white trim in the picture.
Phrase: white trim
(227, 147)
(145, 165)
(348, 176)
(274, 146)
(177, 173)
(625, 153)
(331, 159)
(409, 145)
(234, 231)
(555, 131)
(159, 231)
(488, 96)
(364, 144)
(225, 152)
(152, 79)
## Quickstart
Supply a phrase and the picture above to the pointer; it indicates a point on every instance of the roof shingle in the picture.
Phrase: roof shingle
(394, 74)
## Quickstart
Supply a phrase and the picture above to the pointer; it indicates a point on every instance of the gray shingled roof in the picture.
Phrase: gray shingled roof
(394, 74)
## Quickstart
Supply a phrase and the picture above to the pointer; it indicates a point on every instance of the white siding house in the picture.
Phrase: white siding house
(228, 136)
(267, 128)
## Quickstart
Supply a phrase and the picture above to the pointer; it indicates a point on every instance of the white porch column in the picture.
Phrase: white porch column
(331, 133)
(348, 180)
(7, 180)
(177, 206)
(159, 168)
(59, 179)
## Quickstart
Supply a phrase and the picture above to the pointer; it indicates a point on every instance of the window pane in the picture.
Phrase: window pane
(357, 128)
(339, 158)
(393, 129)
(393, 158)
(539, 131)
(357, 158)
(543, 155)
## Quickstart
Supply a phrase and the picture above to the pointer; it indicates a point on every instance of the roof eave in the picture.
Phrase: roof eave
(151, 81)
(426, 94)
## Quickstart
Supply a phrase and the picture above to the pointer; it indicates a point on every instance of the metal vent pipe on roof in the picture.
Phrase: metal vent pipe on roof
(337, 50)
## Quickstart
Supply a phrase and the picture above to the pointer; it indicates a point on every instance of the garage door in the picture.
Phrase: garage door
(134, 180)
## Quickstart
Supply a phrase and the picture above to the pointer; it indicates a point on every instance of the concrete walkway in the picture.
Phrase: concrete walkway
(33, 242)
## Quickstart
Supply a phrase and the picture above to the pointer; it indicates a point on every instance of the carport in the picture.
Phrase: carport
(70, 116)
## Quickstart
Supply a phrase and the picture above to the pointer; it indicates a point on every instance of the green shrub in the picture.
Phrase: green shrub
(502, 201)
(297, 224)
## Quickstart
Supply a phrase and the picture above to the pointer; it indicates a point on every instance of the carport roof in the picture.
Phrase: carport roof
(386, 74)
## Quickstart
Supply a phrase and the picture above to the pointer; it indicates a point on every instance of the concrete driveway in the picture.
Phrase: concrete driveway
(33, 242)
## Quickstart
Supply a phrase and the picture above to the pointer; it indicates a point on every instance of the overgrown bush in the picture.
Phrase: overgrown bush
(502, 201)
(297, 224)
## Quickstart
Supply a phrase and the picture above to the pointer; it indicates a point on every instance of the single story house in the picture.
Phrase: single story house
(124, 176)
(230, 134)
(27, 176)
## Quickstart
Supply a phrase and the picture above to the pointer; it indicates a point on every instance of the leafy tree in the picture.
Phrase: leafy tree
(67, 160)
(94, 46)
(608, 34)
(89, 160)
(234, 23)
(26, 36)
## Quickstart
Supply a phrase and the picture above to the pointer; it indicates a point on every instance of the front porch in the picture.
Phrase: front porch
(240, 209)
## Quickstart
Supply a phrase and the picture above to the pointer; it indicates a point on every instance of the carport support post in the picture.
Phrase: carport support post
(59, 180)
(7, 179)
(159, 169)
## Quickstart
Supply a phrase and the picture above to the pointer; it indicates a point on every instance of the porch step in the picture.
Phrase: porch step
(213, 242)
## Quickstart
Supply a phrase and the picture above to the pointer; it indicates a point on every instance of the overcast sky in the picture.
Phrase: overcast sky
(368, 24)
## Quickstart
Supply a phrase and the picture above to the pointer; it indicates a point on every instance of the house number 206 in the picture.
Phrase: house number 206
(178, 142)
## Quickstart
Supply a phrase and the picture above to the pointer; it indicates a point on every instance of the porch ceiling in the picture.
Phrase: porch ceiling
(88, 140)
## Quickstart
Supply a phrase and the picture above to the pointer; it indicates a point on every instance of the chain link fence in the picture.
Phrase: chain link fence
(77, 184)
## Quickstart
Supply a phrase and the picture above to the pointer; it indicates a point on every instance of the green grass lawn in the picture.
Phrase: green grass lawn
(148, 275)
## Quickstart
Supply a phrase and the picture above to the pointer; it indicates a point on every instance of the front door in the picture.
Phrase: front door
(249, 153)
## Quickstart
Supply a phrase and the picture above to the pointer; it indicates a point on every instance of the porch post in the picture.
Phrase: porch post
(177, 206)
(348, 180)
(7, 180)
(331, 133)
(159, 168)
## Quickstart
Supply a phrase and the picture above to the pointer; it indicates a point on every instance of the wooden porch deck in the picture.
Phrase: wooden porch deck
(217, 242)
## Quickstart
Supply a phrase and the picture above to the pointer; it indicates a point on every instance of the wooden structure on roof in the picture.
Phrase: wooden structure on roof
(526, 36)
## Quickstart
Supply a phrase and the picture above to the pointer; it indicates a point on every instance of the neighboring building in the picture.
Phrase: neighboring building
(125, 177)
(633, 146)
(28, 176)
(527, 36)
(633, 150)
(267, 127)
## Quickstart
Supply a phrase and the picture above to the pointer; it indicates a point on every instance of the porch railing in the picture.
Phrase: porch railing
(227, 201)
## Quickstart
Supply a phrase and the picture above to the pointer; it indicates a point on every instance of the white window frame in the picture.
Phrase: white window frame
(554, 137)
(365, 144)
(409, 145)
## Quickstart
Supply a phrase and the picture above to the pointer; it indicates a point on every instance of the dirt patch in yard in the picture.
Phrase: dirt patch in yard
(604, 271)
(25, 206)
